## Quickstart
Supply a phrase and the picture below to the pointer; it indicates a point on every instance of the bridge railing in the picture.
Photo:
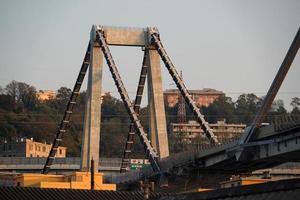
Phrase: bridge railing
(111, 162)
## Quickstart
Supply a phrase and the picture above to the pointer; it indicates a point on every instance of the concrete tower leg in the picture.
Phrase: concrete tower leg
(91, 133)
(157, 116)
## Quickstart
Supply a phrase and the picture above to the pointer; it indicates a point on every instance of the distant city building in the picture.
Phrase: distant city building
(46, 95)
(236, 181)
(191, 130)
(203, 97)
(28, 148)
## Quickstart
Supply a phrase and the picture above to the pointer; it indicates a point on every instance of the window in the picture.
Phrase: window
(44, 149)
(9, 147)
(76, 178)
(60, 151)
(31, 147)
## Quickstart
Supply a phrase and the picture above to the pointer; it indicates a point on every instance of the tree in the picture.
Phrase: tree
(1, 90)
(23, 94)
(63, 93)
(278, 106)
(6, 102)
(295, 104)
(12, 90)
(61, 100)
(246, 107)
(277, 111)
(27, 95)
(222, 108)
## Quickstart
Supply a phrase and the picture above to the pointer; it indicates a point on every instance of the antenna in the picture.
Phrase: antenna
(181, 107)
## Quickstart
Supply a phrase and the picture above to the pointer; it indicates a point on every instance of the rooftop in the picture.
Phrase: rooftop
(203, 91)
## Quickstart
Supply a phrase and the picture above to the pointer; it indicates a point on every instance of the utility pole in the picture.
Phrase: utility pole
(146, 188)
(92, 174)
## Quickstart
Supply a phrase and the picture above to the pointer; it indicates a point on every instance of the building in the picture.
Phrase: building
(23, 147)
(46, 95)
(203, 97)
(238, 181)
(221, 129)
(275, 190)
(76, 180)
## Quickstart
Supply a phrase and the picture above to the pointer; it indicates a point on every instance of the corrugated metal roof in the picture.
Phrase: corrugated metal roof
(24, 193)
(277, 190)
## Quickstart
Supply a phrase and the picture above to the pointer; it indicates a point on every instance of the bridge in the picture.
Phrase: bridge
(271, 147)
(259, 147)
(36, 164)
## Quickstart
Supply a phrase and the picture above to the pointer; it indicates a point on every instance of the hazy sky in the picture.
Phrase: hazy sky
(233, 46)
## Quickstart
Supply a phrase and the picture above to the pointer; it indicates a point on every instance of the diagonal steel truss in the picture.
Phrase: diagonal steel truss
(155, 41)
(272, 92)
(150, 153)
(68, 112)
(137, 102)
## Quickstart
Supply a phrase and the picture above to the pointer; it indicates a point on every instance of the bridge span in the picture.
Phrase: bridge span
(274, 145)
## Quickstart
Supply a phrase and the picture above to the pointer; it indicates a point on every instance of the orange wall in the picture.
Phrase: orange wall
(77, 180)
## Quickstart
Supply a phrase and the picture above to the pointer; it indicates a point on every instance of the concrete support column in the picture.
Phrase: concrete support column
(157, 116)
(91, 129)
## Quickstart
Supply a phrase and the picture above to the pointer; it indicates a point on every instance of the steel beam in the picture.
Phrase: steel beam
(68, 112)
(281, 74)
(137, 103)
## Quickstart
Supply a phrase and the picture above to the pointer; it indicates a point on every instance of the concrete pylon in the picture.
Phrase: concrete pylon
(91, 130)
(157, 116)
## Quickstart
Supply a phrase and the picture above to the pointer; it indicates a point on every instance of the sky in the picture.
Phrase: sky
(233, 46)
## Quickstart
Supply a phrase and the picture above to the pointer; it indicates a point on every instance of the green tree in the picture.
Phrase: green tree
(60, 102)
(23, 94)
(246, 107)
(6, 102)
(277, 111)
(222, 108)
(12, 90)
(295, 103)
(27, 95)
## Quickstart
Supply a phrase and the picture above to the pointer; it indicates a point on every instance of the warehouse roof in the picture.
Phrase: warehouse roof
(277, 190)
(24, 193)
